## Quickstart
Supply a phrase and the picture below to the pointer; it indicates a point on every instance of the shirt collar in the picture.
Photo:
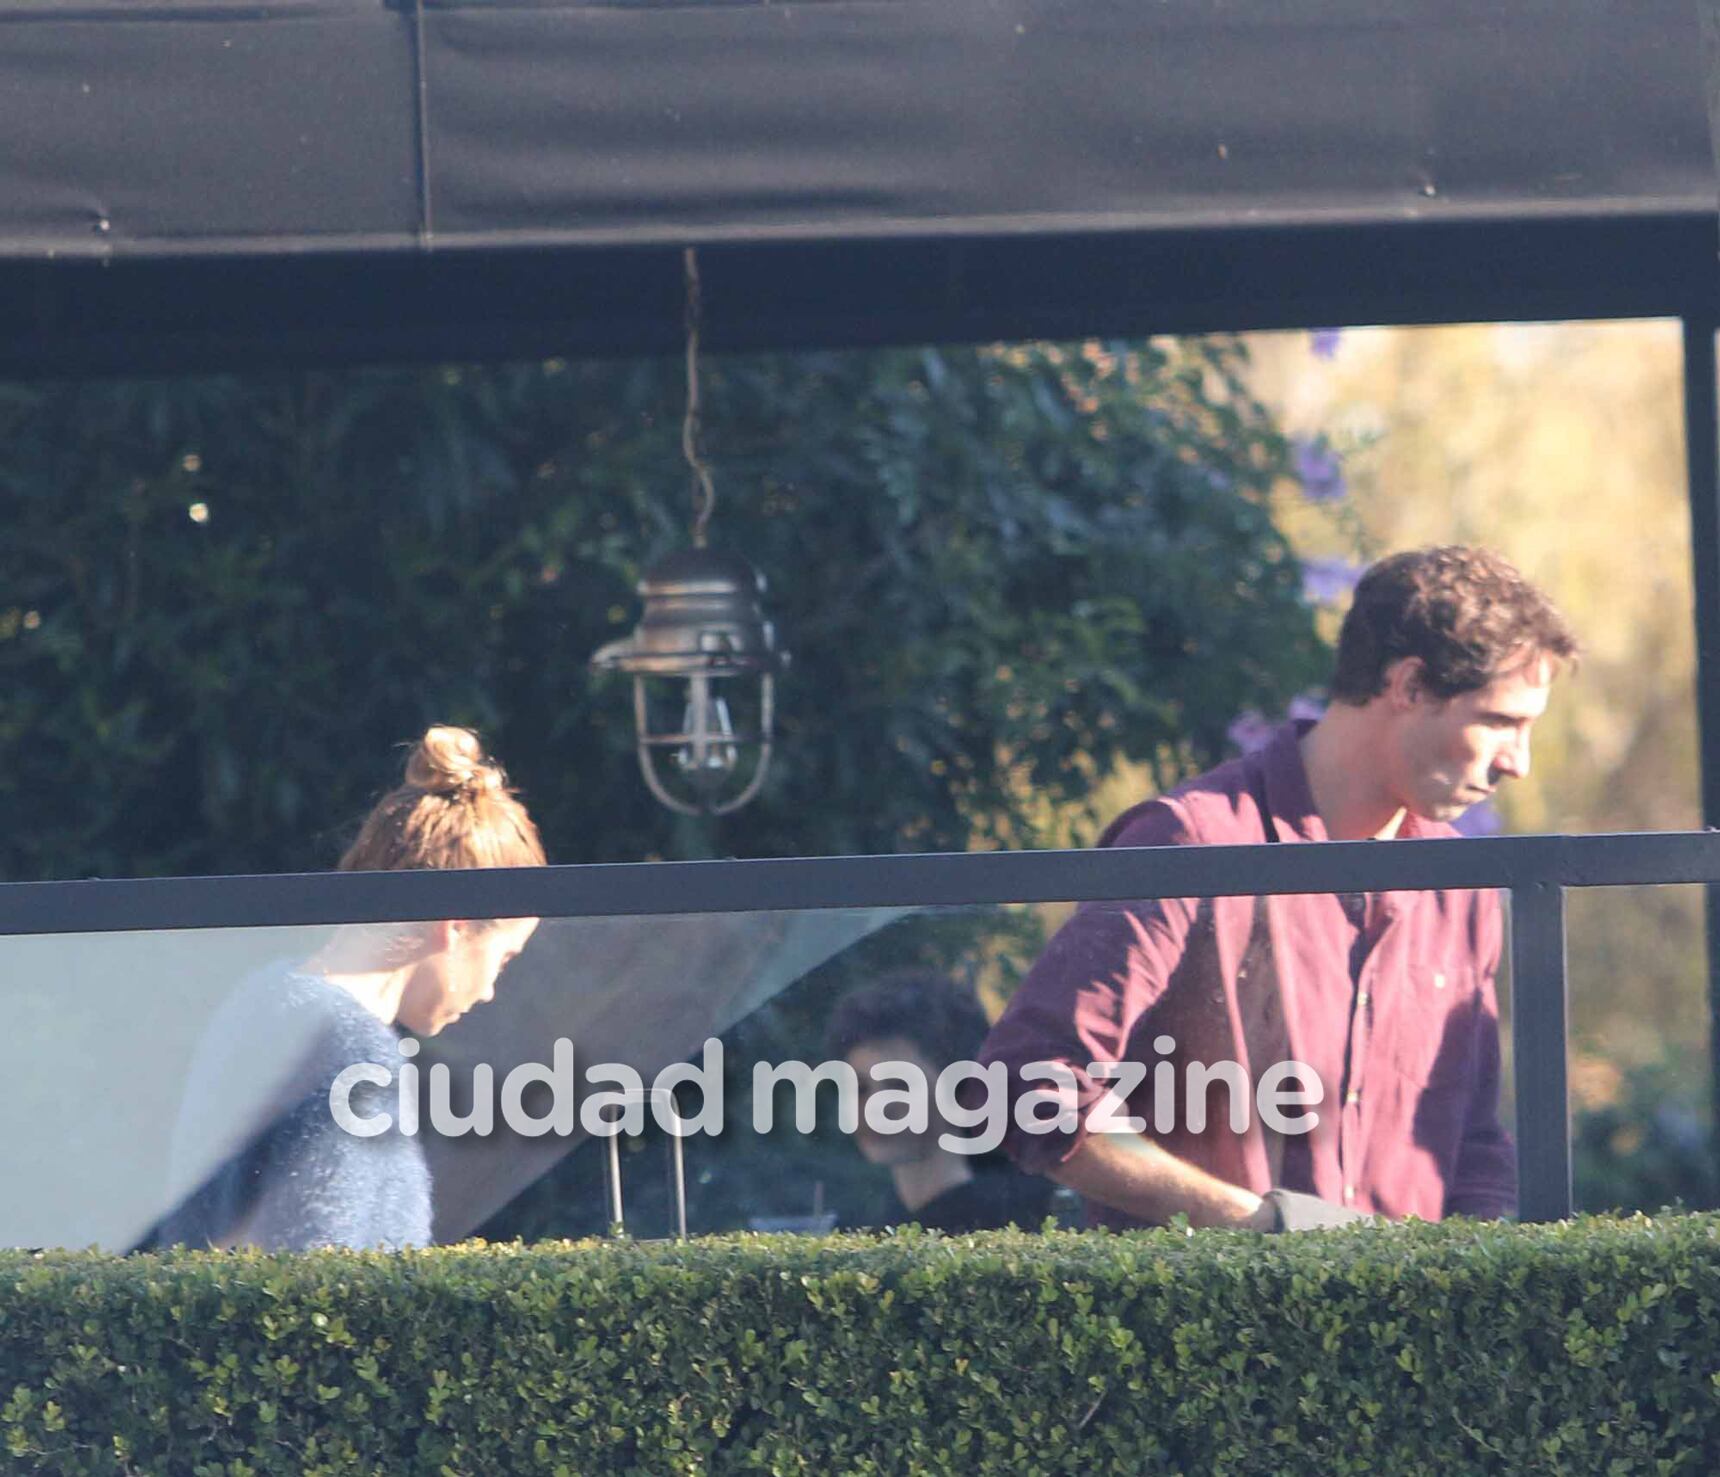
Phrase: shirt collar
(1290, 800)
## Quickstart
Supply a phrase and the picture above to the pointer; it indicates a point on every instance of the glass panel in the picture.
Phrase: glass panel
(175, 1086)
(140, 1062)
(1641, 1079)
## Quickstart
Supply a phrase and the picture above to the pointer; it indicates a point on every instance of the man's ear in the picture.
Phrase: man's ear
(1406, 682)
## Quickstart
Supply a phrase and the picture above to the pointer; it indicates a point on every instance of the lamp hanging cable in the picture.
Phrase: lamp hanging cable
(705, 494)
(704, 658)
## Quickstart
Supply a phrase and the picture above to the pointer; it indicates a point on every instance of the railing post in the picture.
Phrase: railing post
(1702, 459)
(1540, 1032)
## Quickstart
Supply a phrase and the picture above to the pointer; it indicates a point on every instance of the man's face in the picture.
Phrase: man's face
(893, 1148)
(1456, 752)
(463, 973)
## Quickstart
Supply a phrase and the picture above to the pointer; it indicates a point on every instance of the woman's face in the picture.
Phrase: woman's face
(461, 972)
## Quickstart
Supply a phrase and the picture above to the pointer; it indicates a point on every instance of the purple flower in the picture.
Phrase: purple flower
(1479, 820)
(1680, 1125)
(1324, 342)
(1306, 705)
(1328, 581)
(1321, 470)
(1250, 731)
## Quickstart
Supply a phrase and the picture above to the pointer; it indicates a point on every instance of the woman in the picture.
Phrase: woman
(257, 1102)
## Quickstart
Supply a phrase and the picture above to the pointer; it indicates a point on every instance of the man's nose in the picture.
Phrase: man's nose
(1513, 760)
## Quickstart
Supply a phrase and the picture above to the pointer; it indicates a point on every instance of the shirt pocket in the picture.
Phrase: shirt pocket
(1433, 1038)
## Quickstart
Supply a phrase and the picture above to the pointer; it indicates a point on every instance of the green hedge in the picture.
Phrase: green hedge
(1588, 1347)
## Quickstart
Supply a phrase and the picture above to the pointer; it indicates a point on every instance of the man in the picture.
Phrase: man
(928, 1021)
(1444, 663)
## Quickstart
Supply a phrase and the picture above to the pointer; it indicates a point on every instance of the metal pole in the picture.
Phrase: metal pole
(612, 1170)
(678, 1174)
(673, 1125)
(676, 1130)
(1702, 454)
(1540, 1033)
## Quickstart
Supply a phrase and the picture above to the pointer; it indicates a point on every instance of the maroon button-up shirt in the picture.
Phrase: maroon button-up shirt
(1388, 998)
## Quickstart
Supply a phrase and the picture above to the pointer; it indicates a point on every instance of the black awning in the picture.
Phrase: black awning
(171, 127)
(178, 131)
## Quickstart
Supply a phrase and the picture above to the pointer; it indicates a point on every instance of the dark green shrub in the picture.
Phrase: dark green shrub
(1586, 1347)
(1649, 1144)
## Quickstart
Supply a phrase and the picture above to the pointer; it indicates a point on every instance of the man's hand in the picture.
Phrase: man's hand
(1263, 1218)
(1290, 1210)
(1135, 1175)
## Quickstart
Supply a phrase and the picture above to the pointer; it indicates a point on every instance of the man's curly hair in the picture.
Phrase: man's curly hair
(934, 1013)
(1465, 612)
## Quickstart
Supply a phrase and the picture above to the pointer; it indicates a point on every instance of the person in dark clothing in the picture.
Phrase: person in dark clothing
(924, 1019)
(259, 1134)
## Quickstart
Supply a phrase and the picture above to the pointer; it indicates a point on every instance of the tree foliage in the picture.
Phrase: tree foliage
(224, 601)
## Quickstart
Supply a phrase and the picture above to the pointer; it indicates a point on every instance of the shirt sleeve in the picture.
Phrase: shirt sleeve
(1084, 997)
(1484, 1184)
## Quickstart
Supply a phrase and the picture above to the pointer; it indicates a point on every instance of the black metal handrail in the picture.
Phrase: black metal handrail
(915, 880)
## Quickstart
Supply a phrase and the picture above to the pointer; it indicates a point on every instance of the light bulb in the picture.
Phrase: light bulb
(710, 751)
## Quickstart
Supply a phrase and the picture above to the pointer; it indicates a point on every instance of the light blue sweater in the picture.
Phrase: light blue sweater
(255, 1123)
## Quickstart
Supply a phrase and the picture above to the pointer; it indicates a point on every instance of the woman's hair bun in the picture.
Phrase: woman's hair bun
(454, 810)
(452, 761)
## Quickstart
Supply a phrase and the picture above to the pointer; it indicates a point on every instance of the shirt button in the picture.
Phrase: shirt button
(1354, 1096)
(1349, 1192)
(1362, 1000)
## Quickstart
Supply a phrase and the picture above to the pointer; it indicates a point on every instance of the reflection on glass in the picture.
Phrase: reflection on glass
(279, 1129)
(169, 1087)
(176, 1087)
